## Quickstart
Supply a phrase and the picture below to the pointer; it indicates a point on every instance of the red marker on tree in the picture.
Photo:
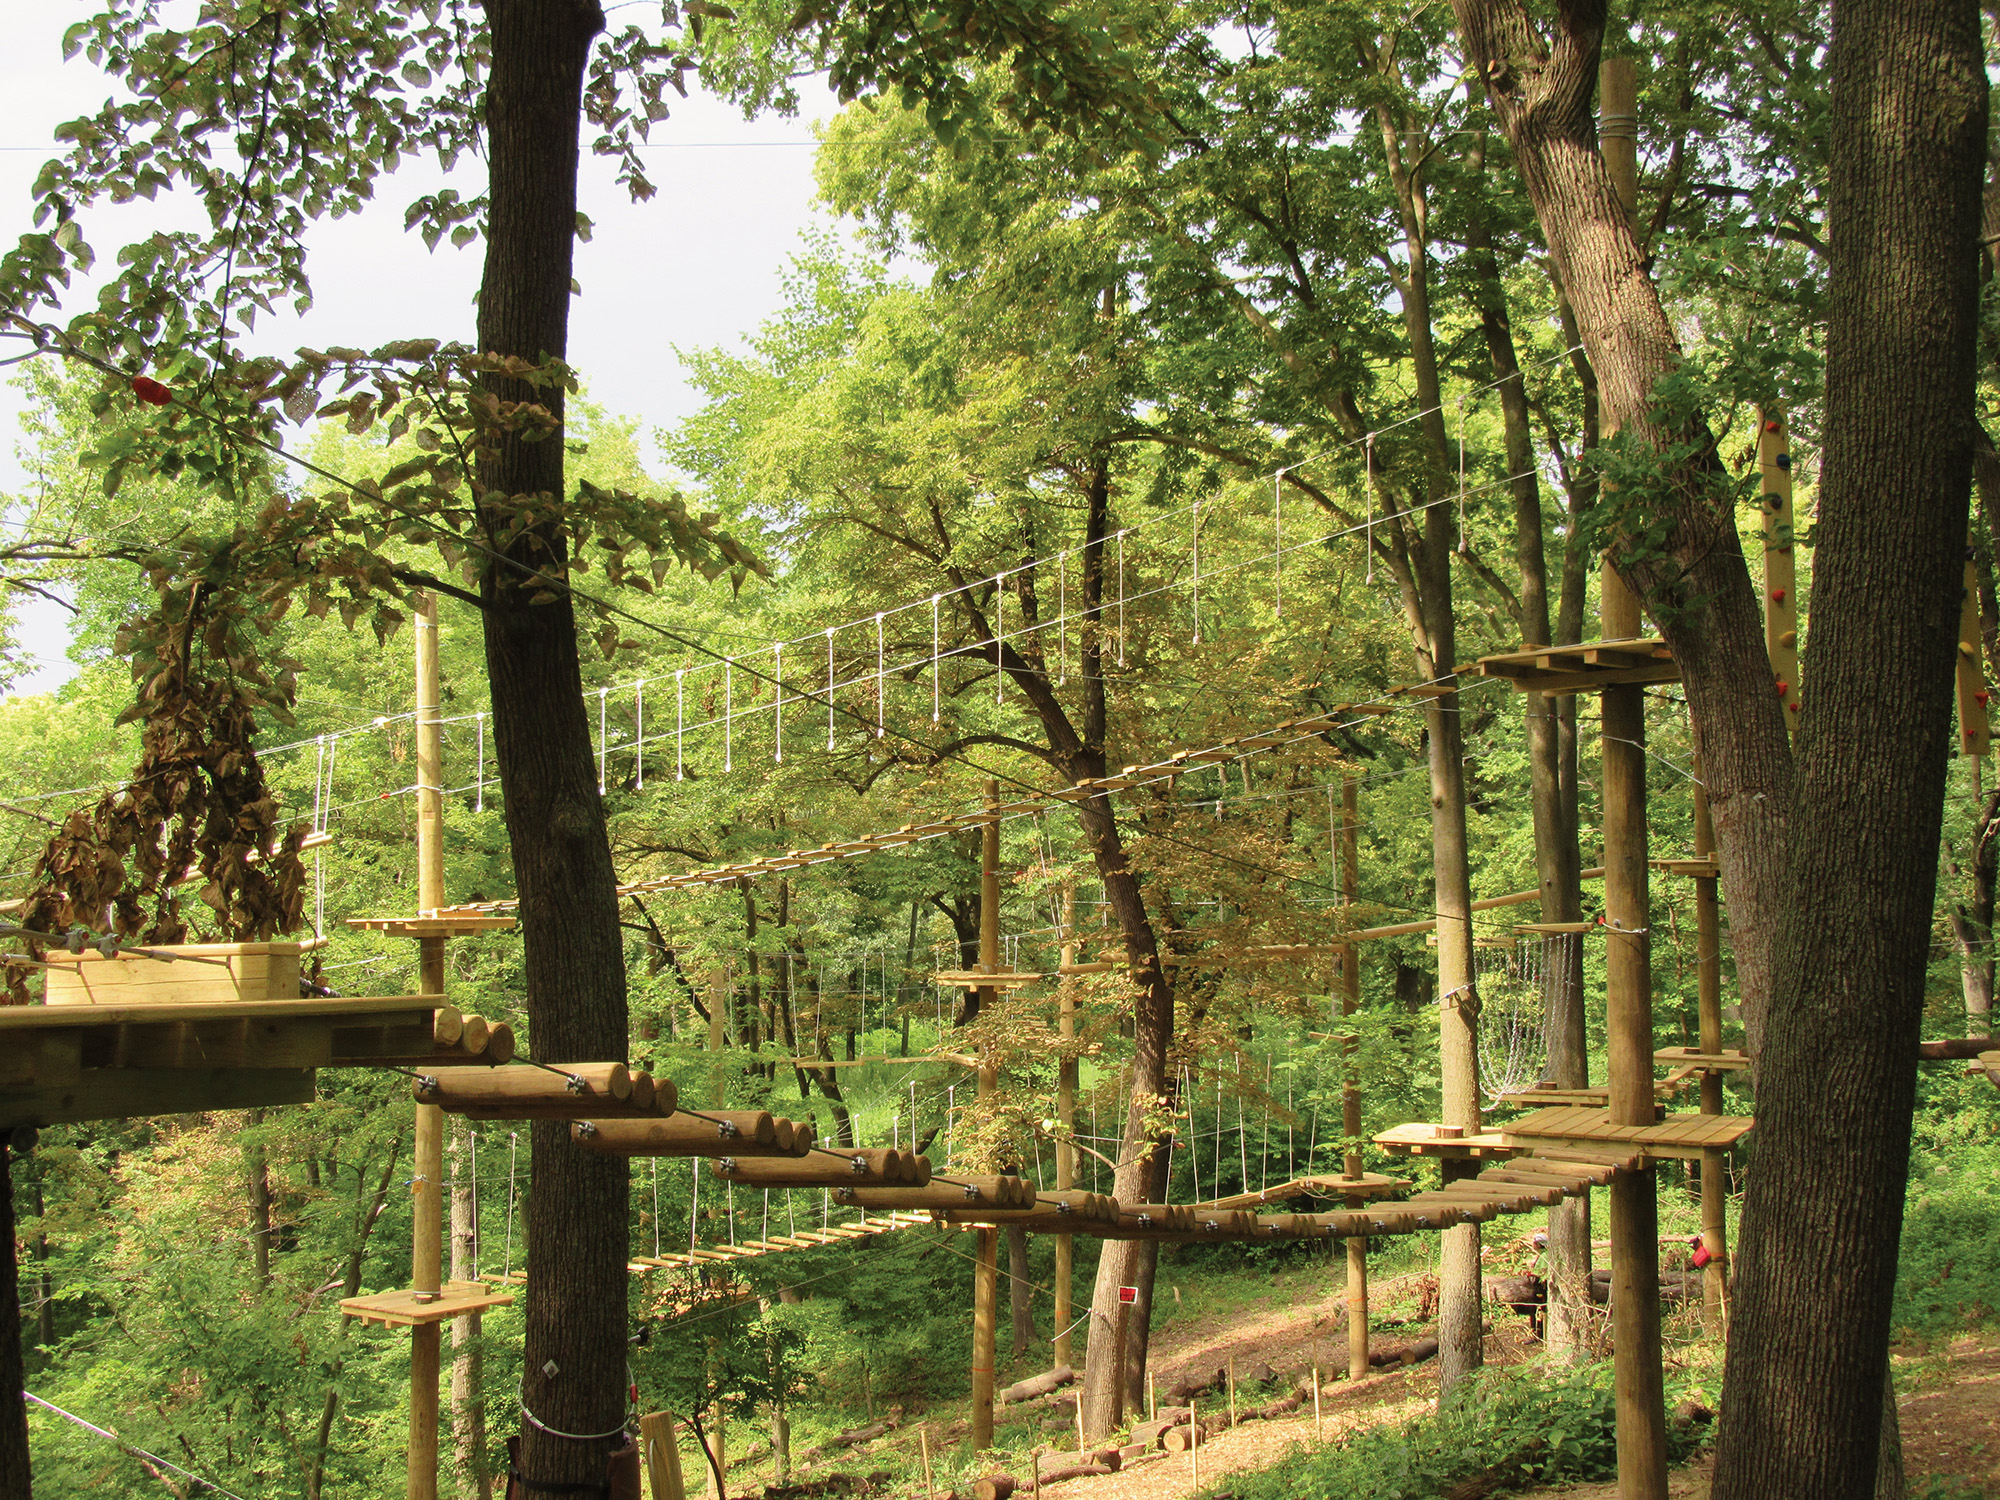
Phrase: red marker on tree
(150, 390)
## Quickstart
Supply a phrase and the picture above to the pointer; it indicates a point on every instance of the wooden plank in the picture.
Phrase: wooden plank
(127, 1093)
(229, 1042)
(458, 1299)
(32, 1017)
(42, 1059)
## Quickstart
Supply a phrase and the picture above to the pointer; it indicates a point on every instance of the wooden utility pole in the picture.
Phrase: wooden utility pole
(1635, 1216)
(1066, 1082)
(427, 1249)
(986, 1270)
(1350, 1092)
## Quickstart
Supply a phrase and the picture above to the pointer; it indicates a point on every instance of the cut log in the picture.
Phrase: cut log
(1404, 1354)
(859, 1434)
(575, 1091)
(677, 1135)
(1283, 1406)
(863, 1168)
(995, 1487)
(940, 1195)
(1193, 1435)
(1038, 1385)
(1189, 1385)
(1103, 1461)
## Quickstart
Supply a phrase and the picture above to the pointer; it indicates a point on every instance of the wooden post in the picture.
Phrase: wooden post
(1194, 1429)
(718, 1000)
(986, 1270)
(1350, 1092)
(1635, 1251)
(661, 1449)
(1066, 1082)
(1319, 1425)
(1708, 978)
(924, 1449)
(427, 1248)
(1118, 1355)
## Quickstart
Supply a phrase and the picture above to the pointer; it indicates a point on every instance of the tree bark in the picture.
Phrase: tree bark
(14, 1476)
(257, 1176)
(1693, 580)
(1802, 1400)
(578, 1203)
(1019, 1291)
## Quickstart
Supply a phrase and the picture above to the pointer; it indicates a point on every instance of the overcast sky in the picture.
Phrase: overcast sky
(698, 265)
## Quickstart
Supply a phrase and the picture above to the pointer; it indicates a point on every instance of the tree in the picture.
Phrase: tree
(1806, 1375)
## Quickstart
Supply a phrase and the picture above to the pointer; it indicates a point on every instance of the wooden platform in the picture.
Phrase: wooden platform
(403, 1310)
(973, 979)
(1598, 1096)
(1367, 1185)
(1704, 868)
(1584, 668)
(446, 922)
(1700, 1061)
(61, 1064)
(1423, 1140)
(1677, 1137)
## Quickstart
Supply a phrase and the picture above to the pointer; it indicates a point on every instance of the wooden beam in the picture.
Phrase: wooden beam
(124, 1093)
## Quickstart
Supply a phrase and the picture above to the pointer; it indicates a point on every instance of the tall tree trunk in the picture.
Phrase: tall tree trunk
(45, 1313)
(14, 1477)
(257, 1181)
(1558, 861)
(1696, 584)
(367, 1211)
(578, 1202)
(1019, 1292)
(1803, 1396)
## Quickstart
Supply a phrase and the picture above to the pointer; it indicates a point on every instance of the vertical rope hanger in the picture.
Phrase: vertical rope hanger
(680, 721)
(728, 714)
(603, 741)
(936, 658)
(1062, 620)
(829, 688)
(778, 704)
(999, 637)
(639, 735)
(881, 683)
(479, 732)
(1278, 542)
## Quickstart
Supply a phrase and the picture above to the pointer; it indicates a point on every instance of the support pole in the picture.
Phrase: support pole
(1708, 978)
(1066, 1082)
(986, 1271)
(1781, 603)
(1635, 1211)
(427, 1249)
(1350, 1092)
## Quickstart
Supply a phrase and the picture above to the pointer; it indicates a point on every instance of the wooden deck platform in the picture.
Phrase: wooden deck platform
(403, 1310)
(1584, 668)
(1700, 1061)
(1421, 1139)
(445, 922)
(61, 1064)
(1677, 1137)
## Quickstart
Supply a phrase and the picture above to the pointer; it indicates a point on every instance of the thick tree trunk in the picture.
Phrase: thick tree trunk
(578, 1203)
(1696, 584)
(14, 1480)
(1802, 1401)
(257, 1176)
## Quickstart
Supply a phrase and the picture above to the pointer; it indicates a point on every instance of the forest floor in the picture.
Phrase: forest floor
(1950, 1392)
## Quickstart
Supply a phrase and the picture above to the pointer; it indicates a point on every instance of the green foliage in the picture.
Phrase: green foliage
(1519, 1426)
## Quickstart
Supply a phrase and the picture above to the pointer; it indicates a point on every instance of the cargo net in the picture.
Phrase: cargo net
(1522, 985)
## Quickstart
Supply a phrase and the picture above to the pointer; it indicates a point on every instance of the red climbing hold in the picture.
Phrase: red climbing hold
(1784, 687)
(1777, 596)
(1794, 707)
(150, 390)
(1774, 425)
(1980, 698)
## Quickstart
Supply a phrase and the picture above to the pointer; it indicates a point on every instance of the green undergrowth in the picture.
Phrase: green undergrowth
(1516, 1427)
(1948, 1269)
